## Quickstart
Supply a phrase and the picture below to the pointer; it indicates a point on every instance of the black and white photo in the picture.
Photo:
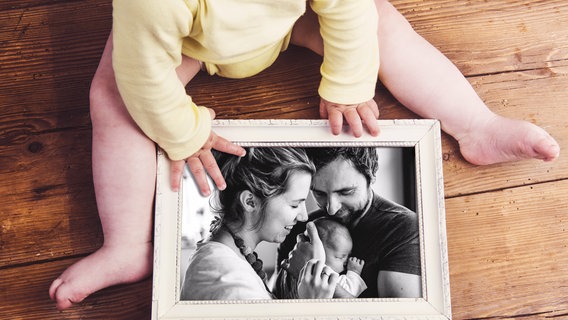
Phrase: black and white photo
(350, 185)
(308, 224)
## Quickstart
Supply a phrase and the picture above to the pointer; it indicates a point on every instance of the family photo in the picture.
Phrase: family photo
(303, 223)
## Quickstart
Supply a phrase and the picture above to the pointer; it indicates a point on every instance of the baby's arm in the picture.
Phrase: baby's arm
(355, 264)
(350, 64)
(146, 53)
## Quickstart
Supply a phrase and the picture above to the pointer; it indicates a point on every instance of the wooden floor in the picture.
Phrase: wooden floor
(507, 224)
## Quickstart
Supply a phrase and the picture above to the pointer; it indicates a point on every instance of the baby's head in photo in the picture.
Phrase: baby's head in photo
(337, 242)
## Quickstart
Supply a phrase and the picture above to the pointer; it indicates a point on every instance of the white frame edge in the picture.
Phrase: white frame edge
(423, 135)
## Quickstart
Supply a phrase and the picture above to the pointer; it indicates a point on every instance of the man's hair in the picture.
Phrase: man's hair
(364, 159)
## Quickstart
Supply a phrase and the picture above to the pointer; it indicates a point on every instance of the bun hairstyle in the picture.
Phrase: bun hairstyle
(263, 171)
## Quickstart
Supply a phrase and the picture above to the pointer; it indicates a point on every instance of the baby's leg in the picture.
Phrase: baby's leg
(429, 84)
(124, 169)
(426, 82)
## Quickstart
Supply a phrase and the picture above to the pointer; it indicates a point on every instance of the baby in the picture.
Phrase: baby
(138, 100)
(338, 244)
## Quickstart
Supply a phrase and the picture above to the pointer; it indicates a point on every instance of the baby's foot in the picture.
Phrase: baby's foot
(108, 266)
(502, 139)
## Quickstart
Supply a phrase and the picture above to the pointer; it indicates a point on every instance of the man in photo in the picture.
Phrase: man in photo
(385, 234)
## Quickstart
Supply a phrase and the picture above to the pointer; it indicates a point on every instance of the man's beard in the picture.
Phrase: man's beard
(347, 217)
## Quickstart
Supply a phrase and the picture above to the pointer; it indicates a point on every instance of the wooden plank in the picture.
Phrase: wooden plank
(483, 37)
(61, 221)
(52, 35)
(287, 89)
(47, 204)
(508, 252)
(27, 4)
(25, 296)
(37, 162)
(49, 54)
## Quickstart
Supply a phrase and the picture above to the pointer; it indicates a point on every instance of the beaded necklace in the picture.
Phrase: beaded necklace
(250, 256)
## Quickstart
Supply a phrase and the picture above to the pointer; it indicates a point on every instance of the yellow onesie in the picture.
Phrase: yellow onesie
(234, 39)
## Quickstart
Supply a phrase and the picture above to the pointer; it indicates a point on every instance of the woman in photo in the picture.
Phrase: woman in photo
(263, 200)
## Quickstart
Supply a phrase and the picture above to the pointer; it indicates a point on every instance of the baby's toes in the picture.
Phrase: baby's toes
(64, 295)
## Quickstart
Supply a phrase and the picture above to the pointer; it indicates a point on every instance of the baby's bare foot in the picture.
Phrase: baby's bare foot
(502, 139)
(106, 267)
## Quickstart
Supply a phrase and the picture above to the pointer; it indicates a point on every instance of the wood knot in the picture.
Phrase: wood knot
(35, 147)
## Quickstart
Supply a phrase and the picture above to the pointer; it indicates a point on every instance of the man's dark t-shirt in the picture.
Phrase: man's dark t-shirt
(386, 238)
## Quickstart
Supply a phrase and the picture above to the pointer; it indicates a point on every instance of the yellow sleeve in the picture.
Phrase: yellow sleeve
(351, 50)
(147, 41)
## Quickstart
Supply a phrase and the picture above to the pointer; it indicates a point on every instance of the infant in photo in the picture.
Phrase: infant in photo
(337, 243)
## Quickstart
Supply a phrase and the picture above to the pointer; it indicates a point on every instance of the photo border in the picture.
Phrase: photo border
(422, 135)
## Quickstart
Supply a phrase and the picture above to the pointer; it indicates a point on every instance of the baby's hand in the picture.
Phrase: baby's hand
(203, 162)
(355, 264)
(308, 246)
(355, 115)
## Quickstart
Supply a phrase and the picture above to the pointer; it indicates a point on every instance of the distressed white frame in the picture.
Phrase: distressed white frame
(422, 135)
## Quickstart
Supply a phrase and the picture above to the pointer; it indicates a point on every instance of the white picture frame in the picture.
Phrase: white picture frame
(421, 135)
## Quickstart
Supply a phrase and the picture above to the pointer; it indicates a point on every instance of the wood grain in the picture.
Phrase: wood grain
(508, 252)
(485, 37)
(506, 223)
(25, 296)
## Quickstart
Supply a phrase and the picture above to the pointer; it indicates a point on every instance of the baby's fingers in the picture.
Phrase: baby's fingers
(369, 115)
(317, 244)
(212, 168)
(224, 145)
(323, 109)
(199, 175)
(335, 121)
(354, 121)
(176, 171)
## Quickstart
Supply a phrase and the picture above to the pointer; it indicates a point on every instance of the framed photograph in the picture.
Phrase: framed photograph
(408, 183)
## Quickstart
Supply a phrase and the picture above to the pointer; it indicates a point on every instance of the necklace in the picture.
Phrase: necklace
(250, 255)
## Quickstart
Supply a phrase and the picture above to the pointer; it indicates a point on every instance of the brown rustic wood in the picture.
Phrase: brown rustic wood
(485, 37)
(506, 223)
(508, 252)
(26, 297)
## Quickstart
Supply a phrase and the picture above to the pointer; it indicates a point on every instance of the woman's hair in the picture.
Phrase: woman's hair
(262, 171)
(364, 159)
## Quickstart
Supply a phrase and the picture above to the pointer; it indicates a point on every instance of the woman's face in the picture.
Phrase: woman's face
(283, 211)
